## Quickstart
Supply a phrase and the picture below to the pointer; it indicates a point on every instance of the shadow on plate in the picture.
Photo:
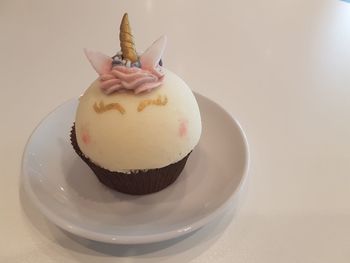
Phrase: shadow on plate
(186, 247)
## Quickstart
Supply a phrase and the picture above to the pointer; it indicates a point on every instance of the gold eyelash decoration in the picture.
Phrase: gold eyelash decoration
(101, 107)
(159, 102)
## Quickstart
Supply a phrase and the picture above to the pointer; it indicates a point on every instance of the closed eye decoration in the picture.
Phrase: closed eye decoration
(158, 102)
(101, 107)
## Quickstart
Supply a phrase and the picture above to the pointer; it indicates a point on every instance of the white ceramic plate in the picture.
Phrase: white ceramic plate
(67, 192)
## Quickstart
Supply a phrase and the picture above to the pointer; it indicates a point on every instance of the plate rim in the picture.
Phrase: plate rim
(141, 239)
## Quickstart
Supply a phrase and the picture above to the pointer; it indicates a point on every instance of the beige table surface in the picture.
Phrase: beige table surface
(282, 68)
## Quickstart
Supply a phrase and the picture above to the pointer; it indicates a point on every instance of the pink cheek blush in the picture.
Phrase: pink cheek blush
(85, 137)
(183, 128)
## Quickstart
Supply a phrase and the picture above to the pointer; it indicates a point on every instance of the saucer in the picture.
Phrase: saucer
(68, 193)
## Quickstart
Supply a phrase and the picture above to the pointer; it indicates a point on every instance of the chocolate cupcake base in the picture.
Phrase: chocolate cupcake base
(136, 183)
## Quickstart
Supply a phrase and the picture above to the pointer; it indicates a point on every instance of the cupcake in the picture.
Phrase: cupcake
(137, 123)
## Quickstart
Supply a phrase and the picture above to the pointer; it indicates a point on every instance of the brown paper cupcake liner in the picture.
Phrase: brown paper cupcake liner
(136, 183)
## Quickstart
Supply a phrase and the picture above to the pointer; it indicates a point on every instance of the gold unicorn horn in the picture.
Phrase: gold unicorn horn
(127, 40)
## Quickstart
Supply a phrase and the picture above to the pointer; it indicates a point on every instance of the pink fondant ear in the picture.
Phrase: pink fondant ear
(100, 62)
(151, 57)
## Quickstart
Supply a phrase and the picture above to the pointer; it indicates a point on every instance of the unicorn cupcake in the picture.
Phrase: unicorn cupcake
(138, 122)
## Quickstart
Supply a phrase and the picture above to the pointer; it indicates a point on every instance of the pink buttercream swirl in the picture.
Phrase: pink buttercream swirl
(122, 78)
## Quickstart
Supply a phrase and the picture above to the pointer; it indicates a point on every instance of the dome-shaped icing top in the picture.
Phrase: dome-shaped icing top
(123, 131)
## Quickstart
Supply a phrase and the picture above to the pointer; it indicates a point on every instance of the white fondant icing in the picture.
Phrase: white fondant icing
(152, 138)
